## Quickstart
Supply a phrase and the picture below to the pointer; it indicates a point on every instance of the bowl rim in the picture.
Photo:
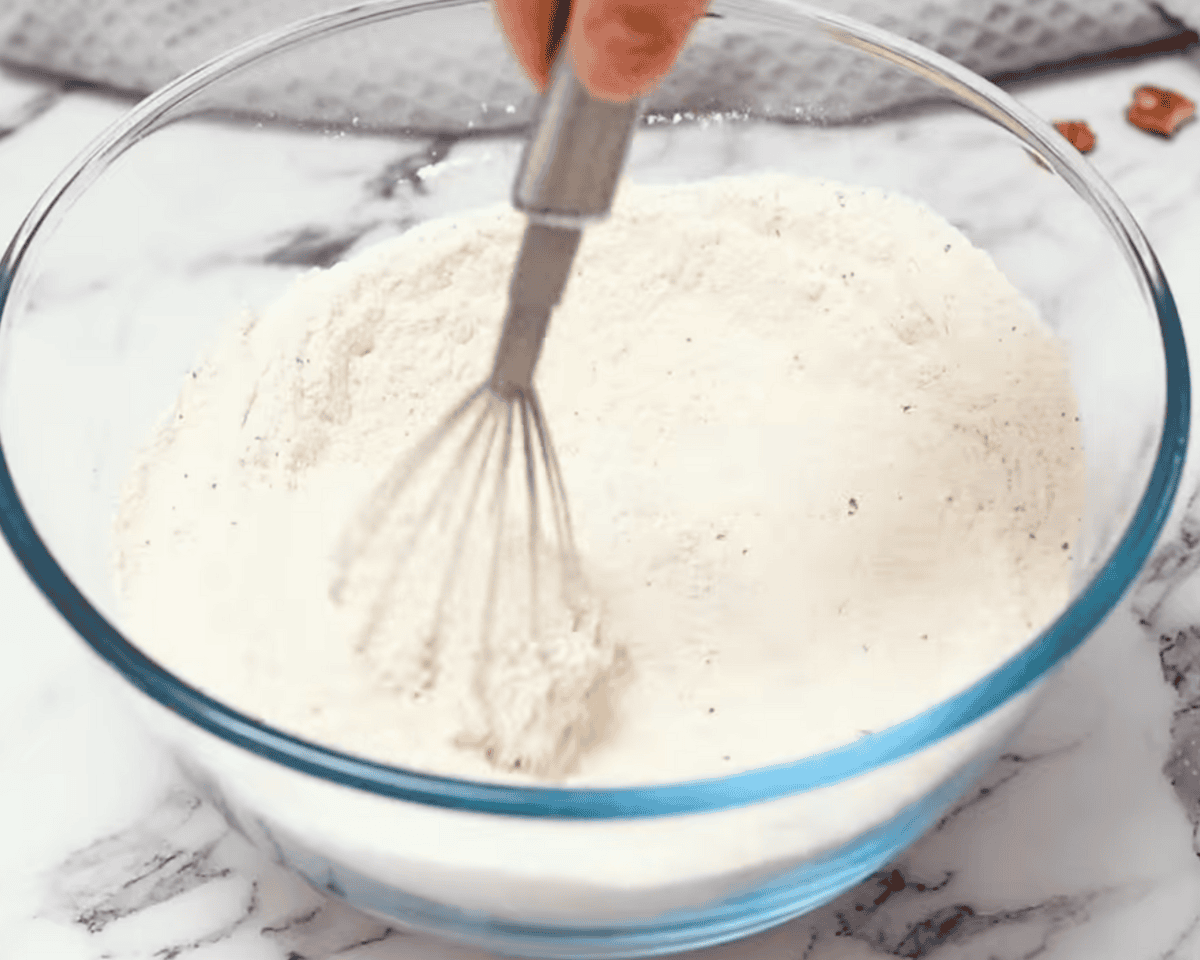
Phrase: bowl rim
(1021, 671)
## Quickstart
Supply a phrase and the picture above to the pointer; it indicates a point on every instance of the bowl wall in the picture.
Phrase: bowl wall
(212, 196)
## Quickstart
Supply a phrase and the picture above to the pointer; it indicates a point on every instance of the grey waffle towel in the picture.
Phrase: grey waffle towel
(138, 45)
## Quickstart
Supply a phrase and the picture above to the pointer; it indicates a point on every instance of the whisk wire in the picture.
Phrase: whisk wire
(369, 520)
(534, 531)
(375, 513)
(460, 537)
(499, 505)
(559, 505)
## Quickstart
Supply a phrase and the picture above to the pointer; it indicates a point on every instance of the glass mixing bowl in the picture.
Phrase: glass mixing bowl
(301, 147)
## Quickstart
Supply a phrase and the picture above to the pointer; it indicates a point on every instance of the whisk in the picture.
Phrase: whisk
(464, 557)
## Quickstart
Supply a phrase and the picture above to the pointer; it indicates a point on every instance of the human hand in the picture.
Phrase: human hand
(620, 48)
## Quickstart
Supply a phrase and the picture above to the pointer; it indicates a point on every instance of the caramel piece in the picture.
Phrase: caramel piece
(1160, 111)
(1078, 133)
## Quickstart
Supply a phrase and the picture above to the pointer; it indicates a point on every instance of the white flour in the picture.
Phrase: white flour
(823, 463)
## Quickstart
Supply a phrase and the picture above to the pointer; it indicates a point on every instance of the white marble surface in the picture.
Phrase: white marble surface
(1082, 843)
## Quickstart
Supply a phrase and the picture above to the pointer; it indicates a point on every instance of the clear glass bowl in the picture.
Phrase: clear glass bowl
(211, 195)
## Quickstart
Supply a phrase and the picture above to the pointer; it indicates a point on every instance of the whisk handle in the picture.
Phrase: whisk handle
(572, 162)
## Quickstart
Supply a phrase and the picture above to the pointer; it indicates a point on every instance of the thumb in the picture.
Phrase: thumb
(621, 48)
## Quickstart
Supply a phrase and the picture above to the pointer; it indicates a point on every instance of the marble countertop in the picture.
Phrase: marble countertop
(1082, 842)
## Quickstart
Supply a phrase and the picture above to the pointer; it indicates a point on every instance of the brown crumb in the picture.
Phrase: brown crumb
(1078, 133)
(1160, 111)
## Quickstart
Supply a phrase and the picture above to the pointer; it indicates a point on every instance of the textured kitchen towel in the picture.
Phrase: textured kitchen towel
(137, 45)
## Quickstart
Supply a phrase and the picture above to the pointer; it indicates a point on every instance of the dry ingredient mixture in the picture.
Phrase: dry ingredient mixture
(823, 462)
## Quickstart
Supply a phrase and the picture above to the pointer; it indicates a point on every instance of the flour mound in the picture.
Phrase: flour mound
(467, 584)
(822, 460)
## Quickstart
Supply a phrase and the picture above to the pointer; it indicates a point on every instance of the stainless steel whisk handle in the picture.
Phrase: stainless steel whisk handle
(572, 162)
(567, 178)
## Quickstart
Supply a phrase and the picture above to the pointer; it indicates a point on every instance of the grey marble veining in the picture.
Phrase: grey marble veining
(1162, 603)
(183, 845)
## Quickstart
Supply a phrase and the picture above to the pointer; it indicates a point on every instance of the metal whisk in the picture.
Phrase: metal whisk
(464, 555)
